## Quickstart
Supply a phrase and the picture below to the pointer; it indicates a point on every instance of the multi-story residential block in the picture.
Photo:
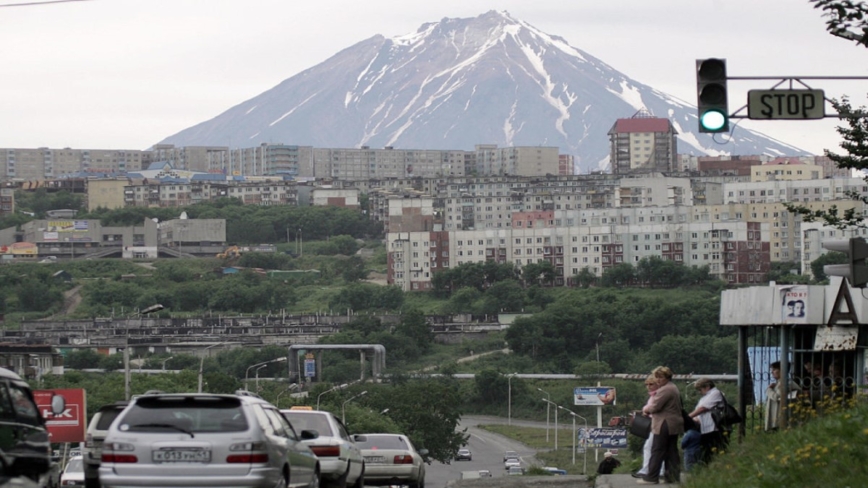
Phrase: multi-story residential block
(189, 158)
(44, 163)
(336, 197)
(643, 143)
(737, 252)
(263, 160)
(786, 169)
(520, 160)
(7, 201)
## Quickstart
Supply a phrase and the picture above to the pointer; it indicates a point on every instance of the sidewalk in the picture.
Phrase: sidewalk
(624, 481)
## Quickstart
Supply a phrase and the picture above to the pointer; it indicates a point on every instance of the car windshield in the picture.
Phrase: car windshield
(301, 420)
(383, 442)
(184, 413)
(74, 465)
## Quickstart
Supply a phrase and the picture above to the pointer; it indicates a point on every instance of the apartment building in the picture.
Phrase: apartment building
(786, 169)
(189, 158)
(737, 252)
(263, 160)
(643, 143)
(43, 163)
(7, 201)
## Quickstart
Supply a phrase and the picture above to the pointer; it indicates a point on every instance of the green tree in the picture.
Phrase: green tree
(619, 276)
(824, 259)
(585, 278)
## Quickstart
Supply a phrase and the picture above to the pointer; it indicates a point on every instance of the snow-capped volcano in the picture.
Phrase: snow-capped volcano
(452, 84)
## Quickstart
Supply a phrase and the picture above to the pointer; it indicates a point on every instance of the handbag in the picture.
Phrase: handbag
(725, 415)
(689, 423)
(641, 426)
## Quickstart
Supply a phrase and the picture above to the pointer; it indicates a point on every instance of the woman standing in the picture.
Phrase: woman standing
(666, 424)
(775, 395)
(651, 386)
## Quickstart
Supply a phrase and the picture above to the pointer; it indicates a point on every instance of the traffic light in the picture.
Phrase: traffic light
(711, 99)
(856, 268)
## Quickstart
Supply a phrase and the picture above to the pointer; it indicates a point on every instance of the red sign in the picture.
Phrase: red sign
(69, 425)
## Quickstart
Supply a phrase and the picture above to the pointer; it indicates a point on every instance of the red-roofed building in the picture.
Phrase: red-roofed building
(643, 144)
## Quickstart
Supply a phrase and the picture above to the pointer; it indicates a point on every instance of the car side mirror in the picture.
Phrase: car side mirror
(58, 404)
(309, 434)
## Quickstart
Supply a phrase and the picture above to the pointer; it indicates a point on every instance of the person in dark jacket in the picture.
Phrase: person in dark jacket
(609, 463)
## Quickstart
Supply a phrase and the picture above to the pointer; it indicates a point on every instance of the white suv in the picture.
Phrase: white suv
(340, 459)
(96, 432)
(205, 440)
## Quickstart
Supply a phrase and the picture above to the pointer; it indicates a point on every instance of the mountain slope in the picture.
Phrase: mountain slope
(456, 83)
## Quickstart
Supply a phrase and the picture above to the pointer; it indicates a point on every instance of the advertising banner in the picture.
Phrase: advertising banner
(594, 395)
(794, 304)
(603, 438)
(310, 368)
(69, 425)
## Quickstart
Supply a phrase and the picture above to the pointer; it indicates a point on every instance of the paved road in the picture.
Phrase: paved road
(487, 448)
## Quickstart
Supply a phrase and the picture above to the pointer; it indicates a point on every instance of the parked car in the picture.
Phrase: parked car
(555, 471)
(515, 471)
(93, 439)
(73, 475)
(391, 459)
(205, 440)
(340, 459)
(484, 473)
(464, 455)
(510, 455)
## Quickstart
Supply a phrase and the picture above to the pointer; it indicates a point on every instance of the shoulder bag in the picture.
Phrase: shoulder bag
(725, 415)
(641, 426)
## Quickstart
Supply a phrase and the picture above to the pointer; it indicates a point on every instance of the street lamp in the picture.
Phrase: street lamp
(549, 397)
(246, 373)
(509, 399)
(556, 420)
(348, 400)
(202, 363)
(339, 387)
(599, 337)
(165, 361)
(574, 415)
(293, 386)
(256, 372)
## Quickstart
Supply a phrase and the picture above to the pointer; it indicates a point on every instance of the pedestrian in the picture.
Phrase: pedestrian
(776, 398)
(609, 464)
(666, 424)
(712, 439)
(651, 386)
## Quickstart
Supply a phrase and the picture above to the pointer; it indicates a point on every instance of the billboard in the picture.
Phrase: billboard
(602, 438)
(594, 395)
(71, 424)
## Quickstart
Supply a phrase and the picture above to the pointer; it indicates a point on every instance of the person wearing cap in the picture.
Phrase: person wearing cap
(609, 463)
(712, 439)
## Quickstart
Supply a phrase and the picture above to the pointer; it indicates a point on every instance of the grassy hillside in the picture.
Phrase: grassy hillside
(827, 452)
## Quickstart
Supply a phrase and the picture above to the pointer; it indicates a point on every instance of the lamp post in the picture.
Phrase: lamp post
(574, 415)
(549, 397)
(256, 373)
(165, 361)
(597, 344)
(509, 399)
(339, 387)
(348, 400)
(556, 420)
(293, 386)
(246, 373)
(202, 363)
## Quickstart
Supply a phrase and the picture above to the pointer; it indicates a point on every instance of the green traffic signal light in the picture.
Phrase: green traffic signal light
(711, 96)
(713, 121)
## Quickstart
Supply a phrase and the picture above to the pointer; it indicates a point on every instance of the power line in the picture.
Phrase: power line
(45, 2)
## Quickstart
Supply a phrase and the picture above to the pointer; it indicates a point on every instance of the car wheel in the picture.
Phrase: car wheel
(360, 481)
(315, 482)
(340, 482)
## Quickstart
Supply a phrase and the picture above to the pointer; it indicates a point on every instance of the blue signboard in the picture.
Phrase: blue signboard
(603, 438)
(310, 368)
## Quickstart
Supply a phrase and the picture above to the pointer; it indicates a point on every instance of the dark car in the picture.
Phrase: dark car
(464, 455)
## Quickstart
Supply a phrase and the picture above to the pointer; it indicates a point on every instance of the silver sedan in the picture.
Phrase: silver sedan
(391, 459)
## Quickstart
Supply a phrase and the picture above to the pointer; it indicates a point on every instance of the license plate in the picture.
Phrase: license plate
(182, 456)
(375, 459)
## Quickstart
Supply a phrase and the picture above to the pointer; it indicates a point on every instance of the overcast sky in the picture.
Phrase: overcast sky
(106, 74)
